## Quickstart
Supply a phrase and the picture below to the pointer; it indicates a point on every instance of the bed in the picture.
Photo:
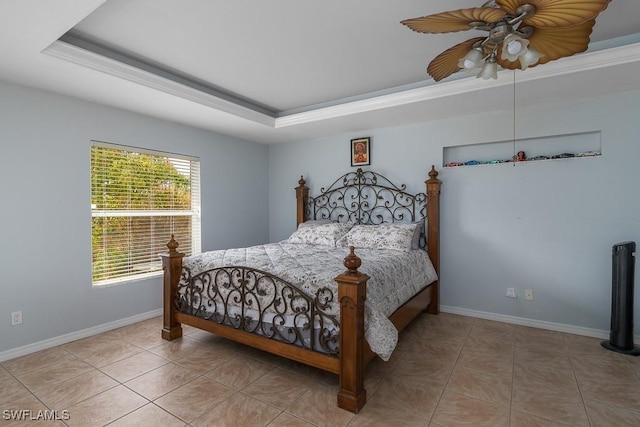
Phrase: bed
(271, 297)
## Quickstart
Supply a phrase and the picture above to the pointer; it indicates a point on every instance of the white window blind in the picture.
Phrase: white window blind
(138, 199)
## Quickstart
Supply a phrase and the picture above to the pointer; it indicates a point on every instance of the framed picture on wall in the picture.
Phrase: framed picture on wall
(361, 151)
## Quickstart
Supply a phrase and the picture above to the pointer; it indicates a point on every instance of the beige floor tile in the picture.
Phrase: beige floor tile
(133, 366)
(494, 374)
(22, 411)
(603, 415)
(498, 363)
(457, 410)
(626, 394)
(431, 370)
(194, 398)
(540, 338)
(542, 354)
(545, 375)
(549, 401)
(38, 360)
(66, 393)
(148, 415)
(448, 321)
(522, 419)
(492, 343)
(504, 331)
(146, 340)
(606, 370)
(161, 380)
(442, 349)
(105, 407)
(239, 372)
(203, 360)
(408, 395)
(279, 388)
(102, 350)
(146, 327)
(53, 374)
(580, 346)
(238, 410)
(318, 406)
(10, 389)
(288, 420)
(488, 388)
(375, 415)
(177, 349)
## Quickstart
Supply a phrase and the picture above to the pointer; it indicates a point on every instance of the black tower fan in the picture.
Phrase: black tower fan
(621, 336)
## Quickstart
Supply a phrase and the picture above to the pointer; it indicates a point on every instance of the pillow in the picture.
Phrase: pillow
(383, 236)
(319, 234)
(314, 222)
(415, 241)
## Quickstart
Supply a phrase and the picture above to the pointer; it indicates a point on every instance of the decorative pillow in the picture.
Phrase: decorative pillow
(319, 234)
(383, 236)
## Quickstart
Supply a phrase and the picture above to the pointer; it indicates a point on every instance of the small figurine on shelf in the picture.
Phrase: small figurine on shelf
(521, 157)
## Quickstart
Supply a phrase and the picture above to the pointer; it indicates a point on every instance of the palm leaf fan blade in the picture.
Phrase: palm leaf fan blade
(446, 63)
(556, 13)
(556, 43)
(457, 20)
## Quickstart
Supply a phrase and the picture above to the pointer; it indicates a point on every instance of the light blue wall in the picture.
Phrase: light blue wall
(45, 254)
(547, 226)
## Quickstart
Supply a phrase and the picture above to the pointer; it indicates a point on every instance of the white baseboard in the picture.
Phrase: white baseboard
(522, 321)
(73, 336)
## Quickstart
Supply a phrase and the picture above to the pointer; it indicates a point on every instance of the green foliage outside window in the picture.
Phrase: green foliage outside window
(137, 200)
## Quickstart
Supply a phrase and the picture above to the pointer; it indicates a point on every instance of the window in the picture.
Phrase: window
(138, 199)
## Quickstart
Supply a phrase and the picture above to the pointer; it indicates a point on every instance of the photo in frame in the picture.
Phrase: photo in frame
(361, 151)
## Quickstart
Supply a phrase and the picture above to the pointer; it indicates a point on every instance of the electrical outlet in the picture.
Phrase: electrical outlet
(528, 294)
(511, 293)
(16, 318)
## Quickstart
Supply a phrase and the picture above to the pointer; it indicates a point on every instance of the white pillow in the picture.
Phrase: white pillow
(311, 222)
(383, 236)
(319, 234)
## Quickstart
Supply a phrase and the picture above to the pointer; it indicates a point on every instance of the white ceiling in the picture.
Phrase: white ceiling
(283, 70)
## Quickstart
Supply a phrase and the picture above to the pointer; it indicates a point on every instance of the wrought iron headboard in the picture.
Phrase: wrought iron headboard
(366, 197)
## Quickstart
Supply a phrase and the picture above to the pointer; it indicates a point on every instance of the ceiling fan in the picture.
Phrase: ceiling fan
(522, 33)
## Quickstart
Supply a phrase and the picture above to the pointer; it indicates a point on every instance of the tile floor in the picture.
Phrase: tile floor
(448, 370)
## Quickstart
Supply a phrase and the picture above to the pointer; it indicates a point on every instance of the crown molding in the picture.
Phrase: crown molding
(578, 63)
(87, 58)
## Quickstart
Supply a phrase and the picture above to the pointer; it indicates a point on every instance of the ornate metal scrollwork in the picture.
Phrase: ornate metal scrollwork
(366, 197)
(258, 302)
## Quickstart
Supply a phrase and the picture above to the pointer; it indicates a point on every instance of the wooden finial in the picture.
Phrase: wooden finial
(433, 173)
(302, 182)
(172, 245)
(352, 261)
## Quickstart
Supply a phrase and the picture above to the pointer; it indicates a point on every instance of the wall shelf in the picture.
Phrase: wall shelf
(545, 148)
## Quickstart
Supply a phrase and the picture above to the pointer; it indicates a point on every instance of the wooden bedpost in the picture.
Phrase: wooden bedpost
(172, 266)
(352, 292)
(433, 234)
(302, 193)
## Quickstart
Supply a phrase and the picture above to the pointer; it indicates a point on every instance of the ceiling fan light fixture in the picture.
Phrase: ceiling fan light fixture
(489, 69)
(514, 47)
(557, 28)
(471, 60)
(530, 58)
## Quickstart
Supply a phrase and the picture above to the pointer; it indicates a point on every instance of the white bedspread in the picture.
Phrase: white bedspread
(395, 276)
